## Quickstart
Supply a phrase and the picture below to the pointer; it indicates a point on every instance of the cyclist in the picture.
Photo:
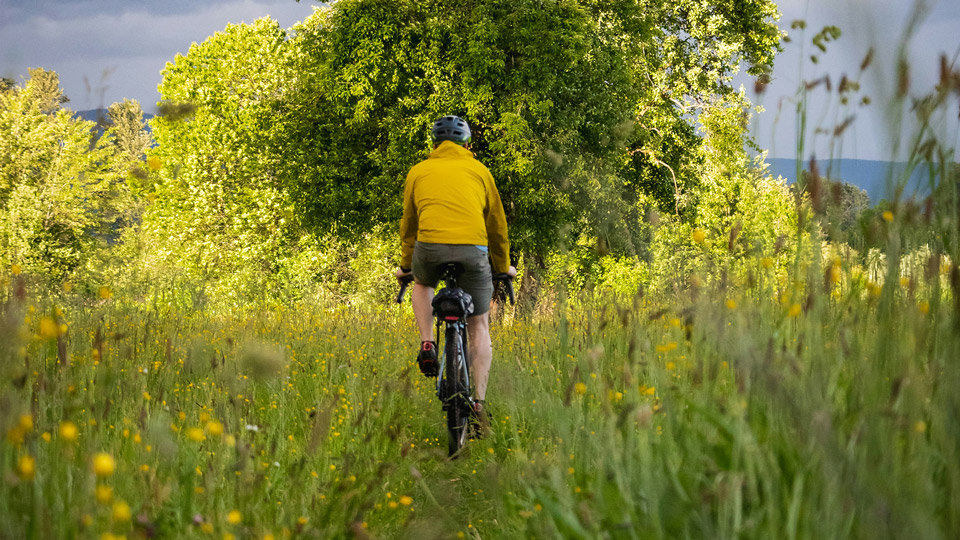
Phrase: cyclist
(452, 213)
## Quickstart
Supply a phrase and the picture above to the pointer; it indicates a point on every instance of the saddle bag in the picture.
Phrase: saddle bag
(452, 303)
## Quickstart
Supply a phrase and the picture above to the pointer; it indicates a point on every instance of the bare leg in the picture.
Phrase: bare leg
(423, 310)
(481, 351)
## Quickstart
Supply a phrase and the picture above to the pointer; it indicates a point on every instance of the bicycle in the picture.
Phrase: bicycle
(451, 307)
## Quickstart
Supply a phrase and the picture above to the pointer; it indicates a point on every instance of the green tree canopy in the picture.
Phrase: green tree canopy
(588, 113)
(59, 193)
(220, 209)
(580, 108)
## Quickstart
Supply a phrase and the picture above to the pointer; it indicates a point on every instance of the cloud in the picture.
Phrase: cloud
(69, 10)
(104, 56)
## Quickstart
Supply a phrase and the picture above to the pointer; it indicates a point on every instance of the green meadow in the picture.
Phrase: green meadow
(720, 413)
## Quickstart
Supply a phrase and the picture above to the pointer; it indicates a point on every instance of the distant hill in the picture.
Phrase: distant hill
(871, 176)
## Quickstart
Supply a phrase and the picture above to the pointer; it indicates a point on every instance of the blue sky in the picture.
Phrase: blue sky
(106, 50)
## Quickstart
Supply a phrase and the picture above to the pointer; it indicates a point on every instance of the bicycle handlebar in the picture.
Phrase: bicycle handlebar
(404, 281)
(505, 279)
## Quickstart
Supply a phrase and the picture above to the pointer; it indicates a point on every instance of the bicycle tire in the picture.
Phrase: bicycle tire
(457, 391)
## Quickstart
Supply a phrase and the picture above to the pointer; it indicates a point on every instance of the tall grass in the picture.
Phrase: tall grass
(736, 413)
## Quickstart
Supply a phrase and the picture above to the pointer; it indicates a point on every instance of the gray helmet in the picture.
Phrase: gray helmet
(451, 128)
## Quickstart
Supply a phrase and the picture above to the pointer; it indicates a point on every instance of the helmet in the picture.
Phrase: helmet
(451, 128)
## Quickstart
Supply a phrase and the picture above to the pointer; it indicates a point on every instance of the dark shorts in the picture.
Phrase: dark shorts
(476, 279)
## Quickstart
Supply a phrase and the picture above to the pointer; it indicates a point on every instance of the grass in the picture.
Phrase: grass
(718, 413)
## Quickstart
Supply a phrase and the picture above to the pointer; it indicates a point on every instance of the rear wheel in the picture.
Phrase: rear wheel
(457, 403)
(456, 428)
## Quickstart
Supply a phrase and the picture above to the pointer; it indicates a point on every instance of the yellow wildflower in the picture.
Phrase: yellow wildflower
(103, 464)
(26, 467)
(214, 428)
(667, 347)
(121, 511)
(49, 329)
(195, 434)
(103, 494)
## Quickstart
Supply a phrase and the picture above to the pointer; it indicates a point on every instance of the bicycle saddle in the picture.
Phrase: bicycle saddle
(452, 269)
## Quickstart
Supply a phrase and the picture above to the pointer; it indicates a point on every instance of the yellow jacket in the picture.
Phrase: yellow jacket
(450, 198)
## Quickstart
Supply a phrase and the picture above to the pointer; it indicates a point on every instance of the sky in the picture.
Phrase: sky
(108, 50)
(878, 24)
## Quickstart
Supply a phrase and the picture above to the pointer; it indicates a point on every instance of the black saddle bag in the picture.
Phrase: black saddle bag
(452, 303)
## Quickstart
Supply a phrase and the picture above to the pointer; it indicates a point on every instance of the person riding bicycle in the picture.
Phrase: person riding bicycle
(452, 213)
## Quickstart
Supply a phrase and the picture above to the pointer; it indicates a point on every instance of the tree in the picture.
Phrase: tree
(128, 131)
(56, 187)
(742, 212)
(581, 108)
(220, 212)
(588, 113)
